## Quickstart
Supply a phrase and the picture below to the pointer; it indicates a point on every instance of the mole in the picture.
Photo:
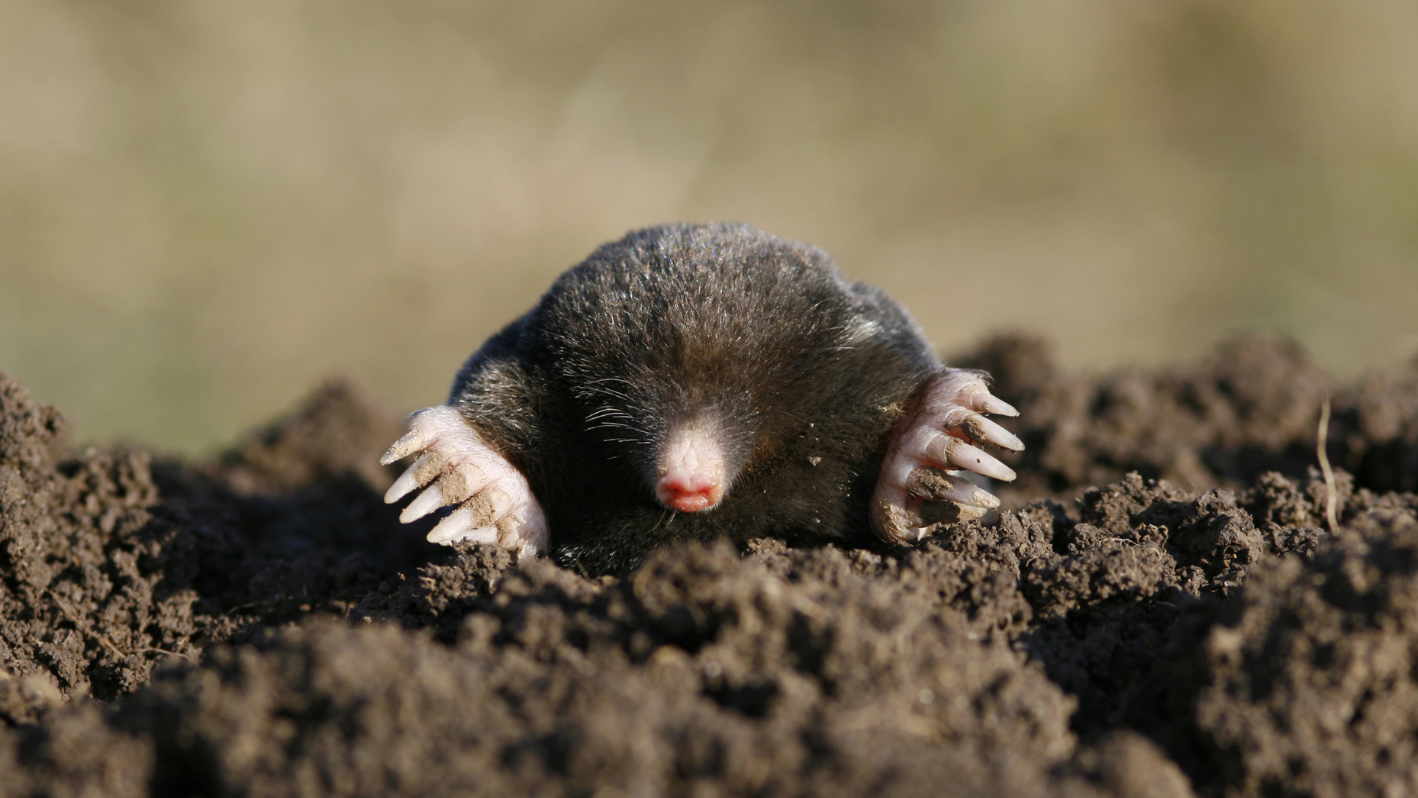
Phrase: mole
(697, 381)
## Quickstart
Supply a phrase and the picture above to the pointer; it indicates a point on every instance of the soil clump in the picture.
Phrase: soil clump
(1160, 610)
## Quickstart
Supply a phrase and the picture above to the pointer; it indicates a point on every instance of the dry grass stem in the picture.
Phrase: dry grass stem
(1330, 494)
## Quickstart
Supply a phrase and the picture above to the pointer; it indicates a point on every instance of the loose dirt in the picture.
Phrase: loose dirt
(1160, 611)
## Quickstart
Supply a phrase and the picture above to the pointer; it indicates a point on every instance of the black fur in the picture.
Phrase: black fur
(799, 366)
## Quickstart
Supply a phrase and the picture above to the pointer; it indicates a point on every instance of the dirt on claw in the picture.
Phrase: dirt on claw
(1158, 609)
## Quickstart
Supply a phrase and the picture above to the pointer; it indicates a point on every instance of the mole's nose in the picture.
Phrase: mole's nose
(688, 493)
(691, 473)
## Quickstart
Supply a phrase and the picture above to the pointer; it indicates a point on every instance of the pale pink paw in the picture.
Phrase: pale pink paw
(495, 503)
(921, 483)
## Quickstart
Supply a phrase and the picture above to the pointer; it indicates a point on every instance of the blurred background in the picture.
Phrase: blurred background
(207, 207)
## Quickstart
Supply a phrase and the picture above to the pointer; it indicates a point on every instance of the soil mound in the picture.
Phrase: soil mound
(1251, 408)
(111, 561)
(1164, 599)
(1306, 683)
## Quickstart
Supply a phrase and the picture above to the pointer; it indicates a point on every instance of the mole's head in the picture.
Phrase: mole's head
(694, 353)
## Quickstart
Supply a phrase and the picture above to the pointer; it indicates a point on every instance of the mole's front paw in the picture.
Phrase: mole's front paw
(496, 504)
(920, 482)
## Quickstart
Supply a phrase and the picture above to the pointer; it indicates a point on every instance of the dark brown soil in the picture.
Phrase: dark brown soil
(1162, 613)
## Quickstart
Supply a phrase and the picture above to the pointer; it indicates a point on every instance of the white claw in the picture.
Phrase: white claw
(451, 528)
(428, 501)
(983, 498)
(401, 487)
(989, 403)
(415, 439)
(951, 452)
(414, 476)
(994, 433)
(461, 524)
(961, 491)
(486, 534)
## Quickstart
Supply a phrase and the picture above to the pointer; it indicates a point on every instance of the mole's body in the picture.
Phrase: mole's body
(691, 382)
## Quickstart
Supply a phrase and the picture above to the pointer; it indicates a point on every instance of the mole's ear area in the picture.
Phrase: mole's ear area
(920, 482)
(456, 466)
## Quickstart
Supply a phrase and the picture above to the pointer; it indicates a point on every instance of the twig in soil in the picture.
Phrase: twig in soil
(97, 635)
(102, 638)
(151, 650)
(1330, 495)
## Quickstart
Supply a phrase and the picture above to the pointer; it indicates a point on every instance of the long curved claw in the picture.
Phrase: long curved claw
(982, 430)
(417, 475)
(461, 524)
(428, 501)
(989, 403)
(946, 451)
(935, 485)
(414, 440)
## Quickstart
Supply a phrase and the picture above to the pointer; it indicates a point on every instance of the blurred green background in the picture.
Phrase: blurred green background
(206, 207)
